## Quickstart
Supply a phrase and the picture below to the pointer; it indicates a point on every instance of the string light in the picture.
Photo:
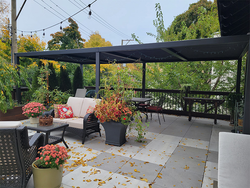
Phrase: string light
(61, 26)
(31, 34)
(43, 32)
(63, 20)
(22, 34)
(89, 11)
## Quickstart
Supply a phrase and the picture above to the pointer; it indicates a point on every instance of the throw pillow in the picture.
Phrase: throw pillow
(90, 110)
(56, 107)
(65, 112)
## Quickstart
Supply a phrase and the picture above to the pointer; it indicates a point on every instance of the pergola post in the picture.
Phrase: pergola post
(238, 75)
(246, 119)
(143, 79)
(97, 78)
(18, 90)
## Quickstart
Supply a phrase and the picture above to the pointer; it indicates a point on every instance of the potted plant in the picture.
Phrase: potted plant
(115, 111)
(232, 98)
(115, 115)
(48, 168)
(33, 110)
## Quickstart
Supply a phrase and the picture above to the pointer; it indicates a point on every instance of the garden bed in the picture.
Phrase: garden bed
(14, 114)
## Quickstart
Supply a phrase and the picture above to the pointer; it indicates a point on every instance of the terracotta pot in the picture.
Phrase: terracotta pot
(115, 133)
(47, 177)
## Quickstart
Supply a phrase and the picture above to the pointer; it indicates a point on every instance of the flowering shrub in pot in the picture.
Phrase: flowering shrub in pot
(33, 109)
(116, 106)
(52, 156)
(48, 168)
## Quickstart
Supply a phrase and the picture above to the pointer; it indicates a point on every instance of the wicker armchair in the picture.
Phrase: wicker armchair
(17, 153)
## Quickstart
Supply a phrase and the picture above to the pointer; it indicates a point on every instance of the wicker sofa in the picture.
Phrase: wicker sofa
(83, 123)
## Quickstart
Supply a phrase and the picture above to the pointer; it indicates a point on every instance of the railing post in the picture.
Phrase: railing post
(143, 79)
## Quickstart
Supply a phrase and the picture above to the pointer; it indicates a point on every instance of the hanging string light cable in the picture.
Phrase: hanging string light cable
(102, 21)
(60, 18)
(86, 32)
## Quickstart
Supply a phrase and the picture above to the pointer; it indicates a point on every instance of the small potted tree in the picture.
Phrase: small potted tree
(115, 111)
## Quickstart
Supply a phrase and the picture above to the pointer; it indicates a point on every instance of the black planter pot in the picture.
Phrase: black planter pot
(115, 133)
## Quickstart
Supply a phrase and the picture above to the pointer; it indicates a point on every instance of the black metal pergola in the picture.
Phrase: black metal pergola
(226, 47)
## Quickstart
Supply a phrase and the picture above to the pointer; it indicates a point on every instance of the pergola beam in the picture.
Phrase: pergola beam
(173, 53)
(120, 56)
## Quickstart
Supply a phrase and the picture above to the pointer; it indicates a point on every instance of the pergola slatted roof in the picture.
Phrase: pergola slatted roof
(221, 48)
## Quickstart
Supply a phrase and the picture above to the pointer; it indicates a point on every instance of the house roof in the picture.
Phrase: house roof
(221, 48)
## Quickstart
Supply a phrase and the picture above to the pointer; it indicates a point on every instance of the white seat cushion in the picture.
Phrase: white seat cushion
(76, 123)
(76, 104)
(10, 124)
(233, 164)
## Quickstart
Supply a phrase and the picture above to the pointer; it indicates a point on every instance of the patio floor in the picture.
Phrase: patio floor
(178, 154)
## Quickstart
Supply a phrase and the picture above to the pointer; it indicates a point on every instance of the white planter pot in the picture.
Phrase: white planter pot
(34, 120)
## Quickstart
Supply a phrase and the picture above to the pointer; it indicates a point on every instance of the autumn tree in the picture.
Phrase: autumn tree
(68, 38)
(96, 40)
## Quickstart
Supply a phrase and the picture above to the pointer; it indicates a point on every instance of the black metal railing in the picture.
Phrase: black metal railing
(174, 104)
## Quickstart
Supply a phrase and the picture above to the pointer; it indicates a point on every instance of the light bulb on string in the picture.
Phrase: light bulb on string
(31, 34)
(22, 34)
(89, 11)
(61, 26)
(43, 33)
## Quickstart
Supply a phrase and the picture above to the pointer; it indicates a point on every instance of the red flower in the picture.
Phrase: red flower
(124, 118)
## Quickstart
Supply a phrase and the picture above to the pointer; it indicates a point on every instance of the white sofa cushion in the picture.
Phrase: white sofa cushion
(233, 164)
(87, 102)
(76, 104)
(76, 123)
(10, 124)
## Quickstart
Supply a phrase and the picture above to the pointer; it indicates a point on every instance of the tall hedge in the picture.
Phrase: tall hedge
(65, 84)
(53, 81)
(77, 80)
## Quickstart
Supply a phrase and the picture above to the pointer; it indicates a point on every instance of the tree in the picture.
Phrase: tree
(77, 80)
(53, 82)
(65, 84)
(68, 38)
(199, 21)
(95, 40)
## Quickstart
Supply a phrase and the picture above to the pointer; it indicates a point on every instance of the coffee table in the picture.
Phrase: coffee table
(47, 130)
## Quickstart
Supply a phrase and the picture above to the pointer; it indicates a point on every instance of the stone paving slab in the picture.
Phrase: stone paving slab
(177, 153)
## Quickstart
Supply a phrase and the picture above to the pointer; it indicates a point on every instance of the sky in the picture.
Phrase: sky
(114, 20)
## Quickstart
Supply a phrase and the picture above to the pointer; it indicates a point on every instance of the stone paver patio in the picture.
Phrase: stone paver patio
(178, 154)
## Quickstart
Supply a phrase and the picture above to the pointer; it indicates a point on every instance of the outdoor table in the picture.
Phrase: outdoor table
(192, 100)
(137, 101)
(47, 130)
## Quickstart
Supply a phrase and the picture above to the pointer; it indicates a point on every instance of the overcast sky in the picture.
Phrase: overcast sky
(115, 20)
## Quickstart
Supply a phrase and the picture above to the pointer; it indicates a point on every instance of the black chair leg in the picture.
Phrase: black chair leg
(159, 118)
(163, 117)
